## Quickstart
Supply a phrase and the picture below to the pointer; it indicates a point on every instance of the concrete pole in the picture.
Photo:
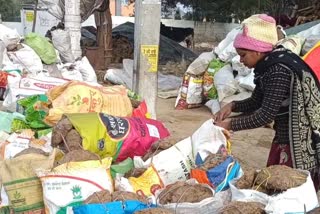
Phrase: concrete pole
(118, 7)
(146, 51)
(73, 24)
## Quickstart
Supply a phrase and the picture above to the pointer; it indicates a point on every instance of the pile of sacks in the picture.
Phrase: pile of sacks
(38, 58)
(217, 78)
(139, 170)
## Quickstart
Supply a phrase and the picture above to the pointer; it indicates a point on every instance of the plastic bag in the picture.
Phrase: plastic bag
(218, 177)
(35, 109)
(141, 110)
(71, 183)
(225, 82)
(209, 89)
(118, 137)
(86, 70)
(240, 67)
(247, 82)
(9, 36)
(198, 66)
(5, 121)
(122, 167)
(208, 139)
(213, 105)
(42, 47)
(62, 42)
(227, 41)
(190, 93)
(69, 72)
(27, 59)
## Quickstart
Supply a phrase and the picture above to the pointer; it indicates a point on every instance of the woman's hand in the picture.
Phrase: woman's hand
(226, 124)
(223, 113)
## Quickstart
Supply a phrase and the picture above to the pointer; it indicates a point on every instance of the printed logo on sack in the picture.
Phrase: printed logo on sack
(76, 192)
(18, 198)
(101, 144)
(117, 127)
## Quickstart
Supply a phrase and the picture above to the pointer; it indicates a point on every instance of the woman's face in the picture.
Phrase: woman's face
(249, 58)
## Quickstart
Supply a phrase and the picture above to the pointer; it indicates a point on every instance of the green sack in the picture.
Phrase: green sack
(42, 47)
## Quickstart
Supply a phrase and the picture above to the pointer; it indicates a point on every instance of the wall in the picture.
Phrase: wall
(212, 32)
(204, 31)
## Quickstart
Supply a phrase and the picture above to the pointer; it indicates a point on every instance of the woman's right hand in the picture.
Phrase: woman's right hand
(223, 113)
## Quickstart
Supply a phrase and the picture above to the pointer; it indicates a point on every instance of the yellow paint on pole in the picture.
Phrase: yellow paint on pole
(151, 52)
(29, 16)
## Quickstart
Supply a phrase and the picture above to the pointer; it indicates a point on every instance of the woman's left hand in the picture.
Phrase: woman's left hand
(226, 124)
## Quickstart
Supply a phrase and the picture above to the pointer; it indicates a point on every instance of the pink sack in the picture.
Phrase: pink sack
(142, 134)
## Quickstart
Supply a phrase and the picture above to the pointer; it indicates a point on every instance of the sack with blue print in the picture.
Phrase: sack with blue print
(117, 207)
(217, 170)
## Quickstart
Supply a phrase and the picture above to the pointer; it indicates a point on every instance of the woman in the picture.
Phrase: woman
(287, 92)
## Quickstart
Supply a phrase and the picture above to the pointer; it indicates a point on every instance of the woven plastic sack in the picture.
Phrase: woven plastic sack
(294, 200)
(71, 183)
(42, 47)
(116, 207)
(206, 206)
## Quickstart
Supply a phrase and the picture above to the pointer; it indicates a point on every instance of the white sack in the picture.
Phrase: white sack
(199, 65)
(225, 82)
(291, 201)
(62, 42)
(27, 59)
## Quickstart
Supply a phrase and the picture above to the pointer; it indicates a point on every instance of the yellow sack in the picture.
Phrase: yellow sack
(79, 97)
(147, 183)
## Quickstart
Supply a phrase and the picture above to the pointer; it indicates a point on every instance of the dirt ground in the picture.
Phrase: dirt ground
(251, 147)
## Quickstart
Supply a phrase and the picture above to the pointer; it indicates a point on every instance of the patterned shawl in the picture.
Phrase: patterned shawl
(304, 109)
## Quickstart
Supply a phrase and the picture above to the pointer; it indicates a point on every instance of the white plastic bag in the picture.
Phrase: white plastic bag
(227, 41)
(240, 67)
(27, 58)
(121, 76)
(291, 201)
(247, 82)
(9, 36)
(87, 71)
(225, 82)
(228, 53)
(199, 65)
(62, 42)
(213, 105)
(71, 73)
(208, 139)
